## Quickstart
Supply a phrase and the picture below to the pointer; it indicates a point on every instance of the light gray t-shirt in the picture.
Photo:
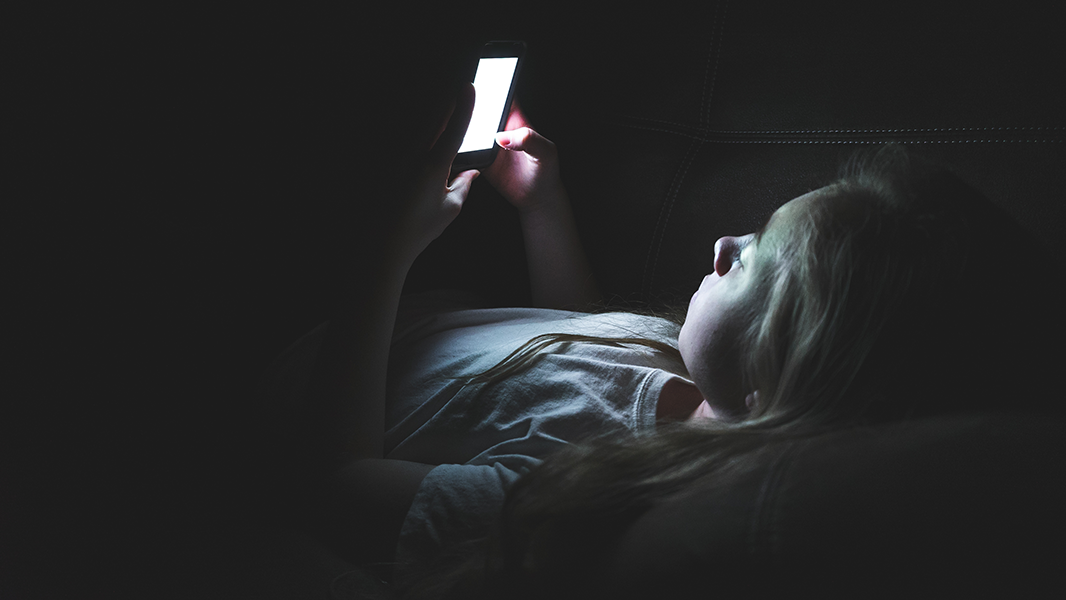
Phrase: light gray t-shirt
(484, 436)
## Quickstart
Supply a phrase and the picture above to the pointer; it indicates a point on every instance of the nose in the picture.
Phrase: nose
(725, 250)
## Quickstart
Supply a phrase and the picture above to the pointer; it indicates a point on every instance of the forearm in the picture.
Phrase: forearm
(347, 391)
(346, 394)
(559, 271)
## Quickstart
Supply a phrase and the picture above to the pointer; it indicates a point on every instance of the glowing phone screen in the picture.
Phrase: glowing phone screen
(491, 83)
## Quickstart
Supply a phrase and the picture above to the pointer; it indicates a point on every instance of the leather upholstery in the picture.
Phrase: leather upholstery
(683, 122)
(212, 153)
(938, 508)
(678, 123)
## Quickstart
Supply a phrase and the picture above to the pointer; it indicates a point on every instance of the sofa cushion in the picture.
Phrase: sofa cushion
(680, 123)
(946, 505)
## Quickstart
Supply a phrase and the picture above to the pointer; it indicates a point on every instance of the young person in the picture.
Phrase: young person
(490, 446)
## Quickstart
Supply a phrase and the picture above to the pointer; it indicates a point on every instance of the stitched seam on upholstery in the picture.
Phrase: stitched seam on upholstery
(659, 233)
(809, 131)
(911, 130)
(652, 262)
(764, 514)
(717, 36)
(707, 70)
(871, 140)
(717, 55)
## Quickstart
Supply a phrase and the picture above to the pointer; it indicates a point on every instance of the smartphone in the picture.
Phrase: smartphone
(494, 83)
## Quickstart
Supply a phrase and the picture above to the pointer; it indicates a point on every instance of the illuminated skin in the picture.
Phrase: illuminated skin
(708, 339)
(527, 175)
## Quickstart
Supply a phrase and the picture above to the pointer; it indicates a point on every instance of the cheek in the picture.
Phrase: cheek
(688, 329)
(708, 346)
(696, 336)
(684, 344)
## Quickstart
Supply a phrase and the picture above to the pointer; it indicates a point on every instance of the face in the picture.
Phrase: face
(710, 335)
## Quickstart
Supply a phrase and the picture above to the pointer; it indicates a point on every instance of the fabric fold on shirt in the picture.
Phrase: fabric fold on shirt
(484, 436)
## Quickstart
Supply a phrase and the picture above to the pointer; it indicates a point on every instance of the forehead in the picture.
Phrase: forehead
(787, 216)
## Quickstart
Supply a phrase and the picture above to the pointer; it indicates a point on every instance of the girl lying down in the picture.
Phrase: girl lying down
(481, 451)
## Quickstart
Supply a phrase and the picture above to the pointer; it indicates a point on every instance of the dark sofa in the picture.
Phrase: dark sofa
(676, 123)
(681, 122)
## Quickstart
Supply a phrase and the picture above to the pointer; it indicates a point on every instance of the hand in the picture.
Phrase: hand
(429, 203)
(526, 171)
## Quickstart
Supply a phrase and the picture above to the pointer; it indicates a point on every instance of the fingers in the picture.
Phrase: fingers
(516, 118)
(447, 145)
(526, 140)
(461, 185)
(457, 192)
(440, 113)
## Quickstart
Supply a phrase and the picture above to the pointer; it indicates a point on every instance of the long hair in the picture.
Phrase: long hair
(861, 295)
(874, 309)
(669, 321)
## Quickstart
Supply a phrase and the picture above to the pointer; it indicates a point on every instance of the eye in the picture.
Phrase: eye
(741, 247)
(739, 252)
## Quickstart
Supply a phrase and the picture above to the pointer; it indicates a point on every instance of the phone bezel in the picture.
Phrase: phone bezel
(478, 159)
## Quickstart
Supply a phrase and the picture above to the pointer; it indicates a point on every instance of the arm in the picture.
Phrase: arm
(527, 175)
(559, 272)
(347, 389)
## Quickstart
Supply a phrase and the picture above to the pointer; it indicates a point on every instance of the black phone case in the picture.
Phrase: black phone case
(483, 158)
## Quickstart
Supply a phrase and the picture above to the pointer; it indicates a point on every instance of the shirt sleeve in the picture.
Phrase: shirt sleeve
(455, 504)
(485, 436)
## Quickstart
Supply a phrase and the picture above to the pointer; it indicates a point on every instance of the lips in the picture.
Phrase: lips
(703, 284)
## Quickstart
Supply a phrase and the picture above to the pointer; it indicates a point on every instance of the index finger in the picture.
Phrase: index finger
(516, 119)
(447, 145)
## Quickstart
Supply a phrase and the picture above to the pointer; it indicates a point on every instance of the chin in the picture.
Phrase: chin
(682, 344)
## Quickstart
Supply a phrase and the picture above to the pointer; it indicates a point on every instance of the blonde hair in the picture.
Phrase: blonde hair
(834, 281)
(869, 291)
(524, 356)
(825, 297)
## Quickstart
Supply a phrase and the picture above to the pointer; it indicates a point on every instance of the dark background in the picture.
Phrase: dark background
(184, 184)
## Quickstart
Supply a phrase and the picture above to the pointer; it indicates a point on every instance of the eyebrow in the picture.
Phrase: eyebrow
(765, 224)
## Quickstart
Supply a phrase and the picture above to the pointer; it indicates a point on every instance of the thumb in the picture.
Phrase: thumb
(526, 140)
(460, 186)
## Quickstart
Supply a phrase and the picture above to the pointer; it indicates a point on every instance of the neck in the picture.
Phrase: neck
(680, 400)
